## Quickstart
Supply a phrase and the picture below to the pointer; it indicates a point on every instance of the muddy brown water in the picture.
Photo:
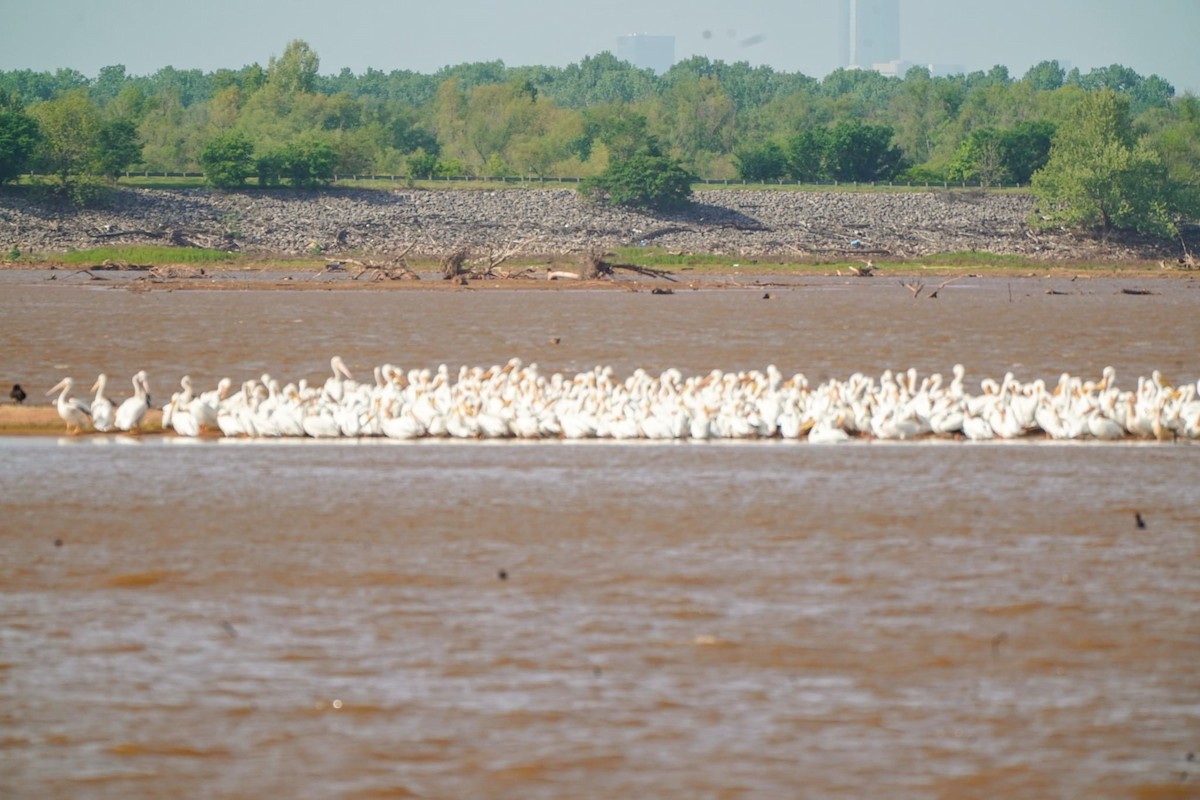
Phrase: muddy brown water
(760, 619)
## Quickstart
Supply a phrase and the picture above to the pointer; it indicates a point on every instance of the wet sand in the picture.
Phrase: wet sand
(29, 419)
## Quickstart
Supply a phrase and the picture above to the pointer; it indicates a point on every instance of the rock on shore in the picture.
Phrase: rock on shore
(379, 223)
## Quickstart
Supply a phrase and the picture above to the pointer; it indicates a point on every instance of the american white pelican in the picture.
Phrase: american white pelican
(514, 400)
(320, 424)
(946, 418)
(131, 412)
(182, 420)
(1005, 424)
(168, 412)
(102, 408)
(1048, 419)
(75, 412)
(179, 403)
(828, 431)
(233, 414)
(405, 426)
(288, 415)
(335, 386)
(1101, 427)
(976, 428)
(207, 406)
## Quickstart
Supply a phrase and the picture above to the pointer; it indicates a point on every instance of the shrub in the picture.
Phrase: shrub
(422, 165)
(228, 160)
(270, 167)
(766, 162)
(309, 163)
(19, 137)
(644, 180)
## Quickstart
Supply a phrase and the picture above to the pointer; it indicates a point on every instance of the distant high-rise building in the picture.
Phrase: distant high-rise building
(647, 52)
(870, 32)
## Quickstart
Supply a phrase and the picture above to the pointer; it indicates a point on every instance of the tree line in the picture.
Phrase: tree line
(286, 123)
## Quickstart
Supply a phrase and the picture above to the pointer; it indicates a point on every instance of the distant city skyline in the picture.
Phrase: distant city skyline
(870, 32)
(1153, 37)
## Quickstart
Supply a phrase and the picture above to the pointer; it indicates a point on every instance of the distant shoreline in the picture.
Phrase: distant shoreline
(783, 226)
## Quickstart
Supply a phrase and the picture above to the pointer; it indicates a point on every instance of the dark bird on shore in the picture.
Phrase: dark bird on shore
(17, 394)
(1141, 523)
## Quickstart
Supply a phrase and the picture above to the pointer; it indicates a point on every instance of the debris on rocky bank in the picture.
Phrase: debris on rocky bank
(378, 223)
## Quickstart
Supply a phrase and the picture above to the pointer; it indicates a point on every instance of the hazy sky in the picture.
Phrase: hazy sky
(1150, 36)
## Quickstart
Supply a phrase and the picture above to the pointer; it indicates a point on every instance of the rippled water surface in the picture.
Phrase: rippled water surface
(546, 620)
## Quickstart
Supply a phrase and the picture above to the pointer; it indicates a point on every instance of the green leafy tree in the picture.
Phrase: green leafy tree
(309, 163)
(228, 160)
(922, 110)
(495, 116)
(623, 130)
(764, 162)
(497, 167)
(190, 86)
(19, 138)
(448, 113)
(599, 80)
(1026, 148)
(248, 79)
(697, 116)
(980, 158)
(422, 165)
(808, 155)
(1151, 92)
(10, 100)
(130, 103)
(861, 152)
(355, 151)
(79, 146)
(1101, 177)
(295, 71)
(646, 179)
(70, 125)
(576, 120)
(1176, 139)
(117, 147)
(990, 156)
(406, 135)
(173, 134)
(1045, 76)
(270, 166)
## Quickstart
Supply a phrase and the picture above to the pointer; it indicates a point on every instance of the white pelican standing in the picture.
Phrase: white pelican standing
(334, 387)
(73, 411)
(131, 412)
(207, 405)
(102, 407)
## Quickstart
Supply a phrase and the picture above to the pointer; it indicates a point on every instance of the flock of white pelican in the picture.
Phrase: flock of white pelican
(517, 401)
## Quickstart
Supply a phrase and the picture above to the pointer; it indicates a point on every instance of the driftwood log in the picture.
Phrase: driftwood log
(176, 237)
(868, 270)
(459, 265)
(594, 266)
(452, 263)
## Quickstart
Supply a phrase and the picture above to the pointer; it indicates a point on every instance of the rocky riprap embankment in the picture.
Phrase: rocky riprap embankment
(379, 224)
